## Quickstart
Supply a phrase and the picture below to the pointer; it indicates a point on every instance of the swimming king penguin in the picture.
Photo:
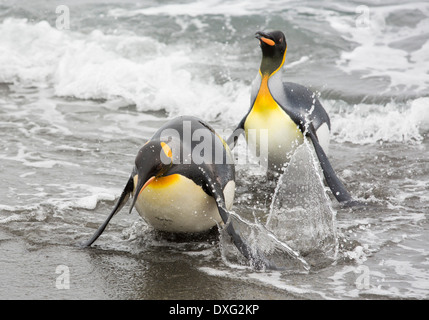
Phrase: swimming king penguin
(183, 181)
(287, 112)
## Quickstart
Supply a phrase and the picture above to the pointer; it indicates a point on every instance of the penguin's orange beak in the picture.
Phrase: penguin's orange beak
(263, 37)
(267, 41)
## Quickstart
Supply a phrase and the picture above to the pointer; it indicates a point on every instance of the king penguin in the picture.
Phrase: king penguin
(183, 181)
(287, 112)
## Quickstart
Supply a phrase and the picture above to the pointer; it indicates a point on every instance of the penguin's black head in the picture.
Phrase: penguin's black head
(273, 46)
(153, 161)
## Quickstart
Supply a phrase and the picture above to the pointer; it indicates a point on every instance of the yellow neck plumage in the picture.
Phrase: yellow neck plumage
(266, 114)
(264, 100)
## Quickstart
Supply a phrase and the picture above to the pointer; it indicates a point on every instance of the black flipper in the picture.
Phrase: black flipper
(256, 258)
(121, 202)
(308, 113)
(338, 189)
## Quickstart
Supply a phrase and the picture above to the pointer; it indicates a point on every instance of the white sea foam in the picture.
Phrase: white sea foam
(100, 66)
(93, 195)
(127, 68)
(29, 159)
(384, 49)
(29, 53)
(206, 7)
(272, 279)
(79, 196)
(371, 123)
(161, 81)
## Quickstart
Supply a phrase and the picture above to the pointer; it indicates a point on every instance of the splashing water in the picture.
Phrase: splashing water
(262, 242)
(300, 213)
(300, 232)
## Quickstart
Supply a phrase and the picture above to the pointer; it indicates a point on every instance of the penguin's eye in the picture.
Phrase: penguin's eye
(280, 40)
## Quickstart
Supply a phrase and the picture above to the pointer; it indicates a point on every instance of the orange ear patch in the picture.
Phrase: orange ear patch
(167, 150)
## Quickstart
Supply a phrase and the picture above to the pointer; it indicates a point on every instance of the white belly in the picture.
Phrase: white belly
(276, 139)
(179, 205)
(273, 137)
(270, 131)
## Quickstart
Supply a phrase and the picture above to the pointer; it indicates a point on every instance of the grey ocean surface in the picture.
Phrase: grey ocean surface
(77, 102)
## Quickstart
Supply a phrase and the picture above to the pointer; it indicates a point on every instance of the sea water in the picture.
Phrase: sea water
(78, 100)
